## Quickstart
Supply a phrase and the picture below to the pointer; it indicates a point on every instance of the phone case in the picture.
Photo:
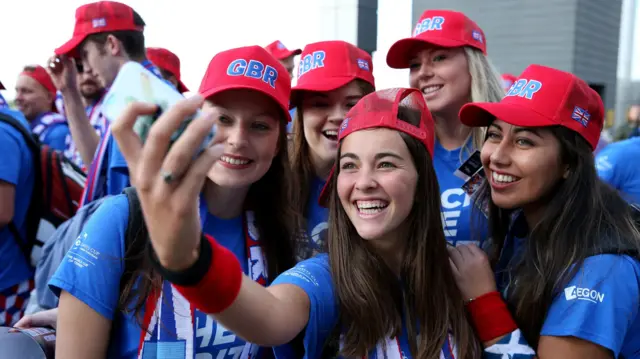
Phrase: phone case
(136, 83)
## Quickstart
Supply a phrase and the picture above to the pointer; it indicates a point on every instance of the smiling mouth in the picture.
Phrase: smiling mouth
(371, 207)
(331, 135)
(427, 90)
(501, 179)
(235, 161)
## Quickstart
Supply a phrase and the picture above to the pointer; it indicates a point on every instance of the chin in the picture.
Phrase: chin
(506, 203)
(224, 177)
(371, 234)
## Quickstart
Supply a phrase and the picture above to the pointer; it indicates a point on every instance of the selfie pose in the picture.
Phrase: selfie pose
(563, 273)
(372, 294)
(112, 302)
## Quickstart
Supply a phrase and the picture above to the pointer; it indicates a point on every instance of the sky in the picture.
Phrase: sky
(198, 29)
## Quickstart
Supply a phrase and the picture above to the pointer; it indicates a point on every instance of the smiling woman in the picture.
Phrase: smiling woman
(566, 252)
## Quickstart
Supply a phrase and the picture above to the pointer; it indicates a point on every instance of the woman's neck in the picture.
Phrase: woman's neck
(224, 203)
(391, 250)
(321, 168)
(451, 133)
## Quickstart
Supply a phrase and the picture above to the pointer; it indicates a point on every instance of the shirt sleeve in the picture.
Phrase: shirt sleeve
(56, 136)
(599, 304)
(11, 155)
(314, 277)
(118, 172)
(92, 267)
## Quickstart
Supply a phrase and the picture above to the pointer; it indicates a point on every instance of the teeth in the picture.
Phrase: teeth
(371, 205)
(430, 89)
(503, 178)
(331, 132)
(234, 161)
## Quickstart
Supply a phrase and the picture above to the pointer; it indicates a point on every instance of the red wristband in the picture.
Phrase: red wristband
(217, 290)
(491, 317)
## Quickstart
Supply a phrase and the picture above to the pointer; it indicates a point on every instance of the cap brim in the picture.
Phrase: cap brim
(326, 85)
(401, 51)
(70, 47)
(181, 87)
(2, 86)
(323, 199)
(482, 114)
(287, 54)
(217, 90)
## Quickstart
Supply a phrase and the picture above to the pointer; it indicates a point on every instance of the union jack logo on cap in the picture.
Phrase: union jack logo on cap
(363, 64)
(344, 125)
(581, 115)
(477, 35)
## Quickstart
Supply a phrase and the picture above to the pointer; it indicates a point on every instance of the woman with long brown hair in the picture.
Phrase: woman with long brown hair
(385, 288)
(332, 77)
(113, 303)
(563, 277)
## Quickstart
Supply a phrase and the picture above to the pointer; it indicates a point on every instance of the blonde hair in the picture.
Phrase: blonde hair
(486, 86)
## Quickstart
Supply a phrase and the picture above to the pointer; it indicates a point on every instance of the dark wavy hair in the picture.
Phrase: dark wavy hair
(583, 217)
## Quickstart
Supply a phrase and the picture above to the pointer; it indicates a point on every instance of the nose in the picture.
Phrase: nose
(366, 180)
(501, 154)
(337, 113)
(426, 69)
(237, 136)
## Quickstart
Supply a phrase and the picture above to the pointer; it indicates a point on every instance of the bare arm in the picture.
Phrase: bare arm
(82, 132)
(267, 316)
(81, 331)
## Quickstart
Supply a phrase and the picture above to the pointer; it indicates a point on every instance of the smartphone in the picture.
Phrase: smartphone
(135, 83)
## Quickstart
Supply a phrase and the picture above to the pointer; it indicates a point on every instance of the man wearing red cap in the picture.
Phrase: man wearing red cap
(107, 35)
(35, 96)
(169, 65)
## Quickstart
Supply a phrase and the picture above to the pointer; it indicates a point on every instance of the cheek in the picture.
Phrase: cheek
(266, 149)
(344, 186)
(485, 154)
(413, 78)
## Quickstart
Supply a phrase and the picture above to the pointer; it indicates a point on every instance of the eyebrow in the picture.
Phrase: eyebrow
(532, 130)
(378, 156)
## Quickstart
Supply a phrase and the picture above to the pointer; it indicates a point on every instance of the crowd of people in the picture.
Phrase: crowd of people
(472, 214)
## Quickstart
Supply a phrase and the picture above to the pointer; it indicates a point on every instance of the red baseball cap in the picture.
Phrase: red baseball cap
(507, 81)
(280, 52)
(97, 17)
(444, 28)
(380, 109)
(41, 75)
(251, 68)
(167, 61)
(540, 97)
(328, 65)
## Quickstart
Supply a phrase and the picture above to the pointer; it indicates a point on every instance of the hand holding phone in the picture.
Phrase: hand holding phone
(135, 83)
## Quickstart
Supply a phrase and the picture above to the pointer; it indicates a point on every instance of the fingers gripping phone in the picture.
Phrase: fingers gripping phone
(136, 83)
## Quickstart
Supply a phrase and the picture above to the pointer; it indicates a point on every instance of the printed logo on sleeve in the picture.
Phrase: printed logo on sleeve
(576, 293)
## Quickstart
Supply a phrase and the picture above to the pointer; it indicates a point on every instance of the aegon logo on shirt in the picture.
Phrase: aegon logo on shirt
(574, 292)
(253, 69)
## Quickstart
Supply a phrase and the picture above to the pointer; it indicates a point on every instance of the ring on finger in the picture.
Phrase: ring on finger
(167, 176)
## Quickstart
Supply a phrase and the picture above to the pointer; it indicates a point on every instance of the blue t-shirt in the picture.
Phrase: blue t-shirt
(317, 216)
(93, 267)
(600, 303)
(3, 102)
(52, 130)
(457, 207)
(16, 168)
(314, 277)
(109, 174)
(617, 164)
